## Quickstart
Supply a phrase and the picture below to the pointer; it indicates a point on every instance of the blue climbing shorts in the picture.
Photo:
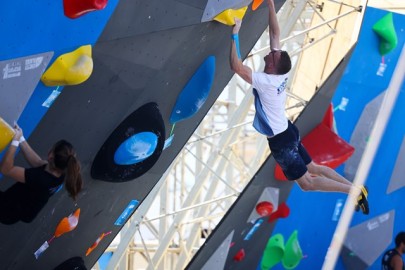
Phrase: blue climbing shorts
(289, 152)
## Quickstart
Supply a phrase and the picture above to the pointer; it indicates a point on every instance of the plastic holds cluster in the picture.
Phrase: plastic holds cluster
(275, 252)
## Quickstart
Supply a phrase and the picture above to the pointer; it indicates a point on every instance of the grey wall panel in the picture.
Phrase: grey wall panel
(19, 77)
(135, 17)
(368, 240)
(128, 72)
(215, 7)
(397, 180)
(351, 261)
(361, 134)
(195, 3)
(235, 219)
(217, 260)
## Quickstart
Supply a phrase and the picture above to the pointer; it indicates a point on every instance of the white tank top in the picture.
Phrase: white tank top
(272, 97)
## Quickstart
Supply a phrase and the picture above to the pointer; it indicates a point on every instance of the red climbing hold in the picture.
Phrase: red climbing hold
(264, 208)
(283, 211)
(240, 255)
(325, 147)
(76, 8)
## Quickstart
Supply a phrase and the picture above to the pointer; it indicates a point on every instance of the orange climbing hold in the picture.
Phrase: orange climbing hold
(76, 8)
(256, 4)
(95, 244)
(68, 224)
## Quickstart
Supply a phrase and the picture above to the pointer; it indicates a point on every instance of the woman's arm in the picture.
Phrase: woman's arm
(29, 154)
(7, 167)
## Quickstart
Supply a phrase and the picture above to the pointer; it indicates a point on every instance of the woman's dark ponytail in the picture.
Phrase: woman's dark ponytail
(73, 178)
(65, 159)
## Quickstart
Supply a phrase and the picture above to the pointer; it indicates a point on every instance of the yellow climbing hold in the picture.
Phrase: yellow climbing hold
(228, 16)
(6, 134)
(70, 68)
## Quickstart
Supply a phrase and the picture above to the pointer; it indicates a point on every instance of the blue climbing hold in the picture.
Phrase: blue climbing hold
(136, 148)
(195, 93)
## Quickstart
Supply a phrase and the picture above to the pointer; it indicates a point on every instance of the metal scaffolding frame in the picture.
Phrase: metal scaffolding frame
(219, 159)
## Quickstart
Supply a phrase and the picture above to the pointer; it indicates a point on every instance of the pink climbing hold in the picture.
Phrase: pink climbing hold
(76, 8)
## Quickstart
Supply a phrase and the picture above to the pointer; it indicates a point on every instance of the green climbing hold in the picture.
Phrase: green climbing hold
(292, 252)
(386, 31)
(273, 252)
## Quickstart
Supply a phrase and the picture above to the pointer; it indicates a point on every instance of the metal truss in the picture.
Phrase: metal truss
(221, 157)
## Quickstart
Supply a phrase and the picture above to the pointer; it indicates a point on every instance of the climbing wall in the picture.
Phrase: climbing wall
(356, 104)
(126, 82)
(300, 230)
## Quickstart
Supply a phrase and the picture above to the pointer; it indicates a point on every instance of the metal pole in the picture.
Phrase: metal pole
(367, 160)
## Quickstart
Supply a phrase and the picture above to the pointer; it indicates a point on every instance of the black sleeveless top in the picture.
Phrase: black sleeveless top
(386, 259)
(43, 182)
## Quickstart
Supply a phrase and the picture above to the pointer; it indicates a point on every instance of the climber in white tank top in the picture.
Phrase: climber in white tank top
(283, 136)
